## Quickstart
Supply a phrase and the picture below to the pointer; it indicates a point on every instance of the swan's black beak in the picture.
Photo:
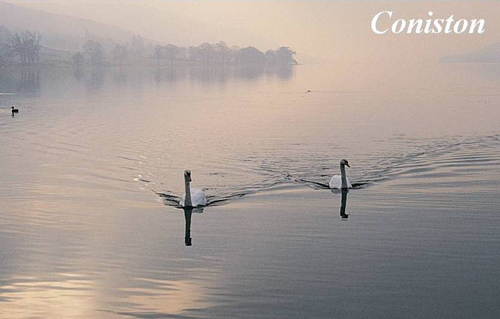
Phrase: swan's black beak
(347, 164)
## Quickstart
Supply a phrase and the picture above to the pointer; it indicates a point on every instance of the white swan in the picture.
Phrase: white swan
(341, 182)
(193, 197)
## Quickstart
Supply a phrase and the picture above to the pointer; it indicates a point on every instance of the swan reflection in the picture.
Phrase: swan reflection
(343, 202)
(188, 213)
(343, 205)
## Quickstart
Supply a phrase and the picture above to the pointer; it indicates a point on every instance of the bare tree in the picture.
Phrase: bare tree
(18, 47)
(27, 46)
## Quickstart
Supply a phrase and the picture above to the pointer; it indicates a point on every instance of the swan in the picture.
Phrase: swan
(193, 197)
(341, 182)
(14, 110)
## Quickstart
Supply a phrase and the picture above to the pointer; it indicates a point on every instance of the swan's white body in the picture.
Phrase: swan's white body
(197, 198)
(192, 197)
(341, 182)
(336, 182)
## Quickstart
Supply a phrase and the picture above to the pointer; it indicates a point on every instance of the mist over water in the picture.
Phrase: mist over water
(94, 161)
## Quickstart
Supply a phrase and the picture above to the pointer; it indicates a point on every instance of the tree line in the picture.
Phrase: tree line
(221, 53)
(24, 47)
(209, 54)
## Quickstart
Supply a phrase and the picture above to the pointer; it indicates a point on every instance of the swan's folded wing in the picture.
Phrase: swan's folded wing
(348, 183)
(335, 182)
(198, 197)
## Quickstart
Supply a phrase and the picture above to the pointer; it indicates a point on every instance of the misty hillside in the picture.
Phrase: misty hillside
(59, 31)
(178, 25)
(490, 54)
(30, 37)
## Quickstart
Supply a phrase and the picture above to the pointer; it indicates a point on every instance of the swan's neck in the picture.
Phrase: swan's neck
(187, 200)
(343, 176)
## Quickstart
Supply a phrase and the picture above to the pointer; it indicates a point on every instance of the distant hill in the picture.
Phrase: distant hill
(63, 39)
(490, 54)
(59, 31)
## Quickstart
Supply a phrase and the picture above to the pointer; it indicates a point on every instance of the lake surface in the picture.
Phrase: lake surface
(92, 166)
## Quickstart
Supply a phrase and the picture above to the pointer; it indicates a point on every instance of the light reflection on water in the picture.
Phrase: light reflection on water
(83, 232)
(164, 297)
(30, 296)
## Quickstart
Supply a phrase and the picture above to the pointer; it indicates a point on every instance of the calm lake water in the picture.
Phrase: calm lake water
(91, 168)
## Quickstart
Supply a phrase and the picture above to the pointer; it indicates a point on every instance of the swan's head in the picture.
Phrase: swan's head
(344, 162)
(187, 175)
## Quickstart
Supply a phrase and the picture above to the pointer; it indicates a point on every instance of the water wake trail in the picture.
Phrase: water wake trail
(436, 159)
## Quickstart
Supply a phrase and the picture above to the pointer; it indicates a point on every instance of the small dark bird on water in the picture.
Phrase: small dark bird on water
(14, 110)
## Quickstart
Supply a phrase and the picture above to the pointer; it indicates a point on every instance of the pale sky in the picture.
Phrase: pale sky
(332, 30)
